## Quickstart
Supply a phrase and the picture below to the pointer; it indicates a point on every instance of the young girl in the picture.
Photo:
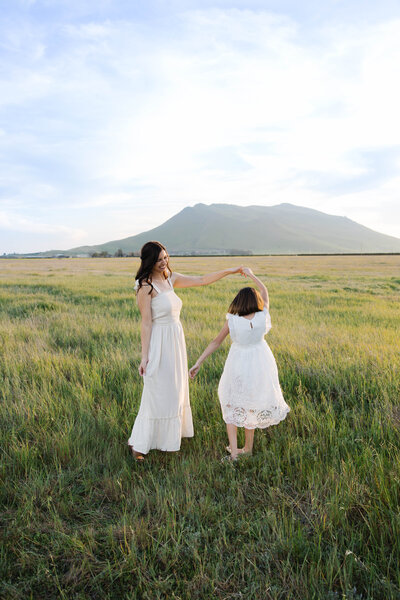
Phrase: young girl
(249, 390)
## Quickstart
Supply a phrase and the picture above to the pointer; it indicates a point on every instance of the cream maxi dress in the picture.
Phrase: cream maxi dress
(164, 415)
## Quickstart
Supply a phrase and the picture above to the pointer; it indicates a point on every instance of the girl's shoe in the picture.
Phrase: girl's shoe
(240, 452)
(228, 459)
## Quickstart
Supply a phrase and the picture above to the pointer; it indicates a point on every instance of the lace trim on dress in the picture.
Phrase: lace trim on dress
(253, 418)
(236, 414)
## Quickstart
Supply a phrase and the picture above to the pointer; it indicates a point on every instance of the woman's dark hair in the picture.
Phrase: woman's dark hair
(149, 256)
(246, 302)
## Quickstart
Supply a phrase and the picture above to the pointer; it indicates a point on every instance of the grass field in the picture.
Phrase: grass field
(314, 514)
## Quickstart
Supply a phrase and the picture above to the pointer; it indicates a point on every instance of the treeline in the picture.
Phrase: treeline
(117, 254)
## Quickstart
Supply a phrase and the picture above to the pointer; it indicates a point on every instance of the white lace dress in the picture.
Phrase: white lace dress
(164, 415)
(249, 390)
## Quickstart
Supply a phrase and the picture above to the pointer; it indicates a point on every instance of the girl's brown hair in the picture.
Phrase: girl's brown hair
(246, 302)
(149, 256)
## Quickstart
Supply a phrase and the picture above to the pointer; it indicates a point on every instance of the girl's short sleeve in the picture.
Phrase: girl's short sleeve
(136, 286)
(230, 319)
(267, 318)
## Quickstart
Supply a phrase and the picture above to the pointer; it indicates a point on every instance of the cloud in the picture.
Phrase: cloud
(371, 168)
(14, 222)
(123, 114)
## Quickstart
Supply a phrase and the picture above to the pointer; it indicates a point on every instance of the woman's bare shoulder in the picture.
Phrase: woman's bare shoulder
(143, 289)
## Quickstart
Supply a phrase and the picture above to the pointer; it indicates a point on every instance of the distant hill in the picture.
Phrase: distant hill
(281, 229)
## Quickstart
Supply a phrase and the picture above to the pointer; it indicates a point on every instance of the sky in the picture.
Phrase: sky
(117, 114)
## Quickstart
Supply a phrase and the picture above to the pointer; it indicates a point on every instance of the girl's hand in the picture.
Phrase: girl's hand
(247, 272)
(237, 269)
(193, 371)
(143, 366)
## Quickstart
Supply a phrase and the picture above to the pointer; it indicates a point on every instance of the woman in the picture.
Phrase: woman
(164, 415)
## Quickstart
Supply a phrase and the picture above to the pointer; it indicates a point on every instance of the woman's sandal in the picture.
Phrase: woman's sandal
(137, 455)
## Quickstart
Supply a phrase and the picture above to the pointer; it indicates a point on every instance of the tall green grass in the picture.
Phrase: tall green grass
(312, 515)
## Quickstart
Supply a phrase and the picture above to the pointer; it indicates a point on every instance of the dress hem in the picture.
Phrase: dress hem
(162, 449)
(160, 434)
(260, 426)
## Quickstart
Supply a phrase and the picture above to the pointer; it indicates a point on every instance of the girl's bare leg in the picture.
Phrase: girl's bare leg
(232, 435)
(248, 441)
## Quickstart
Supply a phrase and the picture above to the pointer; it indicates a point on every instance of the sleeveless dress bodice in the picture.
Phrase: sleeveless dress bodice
(166, 308)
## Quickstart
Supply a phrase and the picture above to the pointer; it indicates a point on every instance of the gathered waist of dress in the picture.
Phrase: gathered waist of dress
(165, 320)
(248, 345)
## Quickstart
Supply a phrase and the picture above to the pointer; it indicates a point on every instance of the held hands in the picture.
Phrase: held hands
(247, 272)
(237, 269)
(143, 366)
(193, 371)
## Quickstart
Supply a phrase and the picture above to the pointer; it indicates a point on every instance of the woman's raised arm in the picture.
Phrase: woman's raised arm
(182, 281)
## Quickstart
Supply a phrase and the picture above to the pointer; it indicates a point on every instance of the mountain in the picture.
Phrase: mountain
(280, 229)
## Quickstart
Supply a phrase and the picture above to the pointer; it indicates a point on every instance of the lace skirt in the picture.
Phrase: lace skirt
(249, 390)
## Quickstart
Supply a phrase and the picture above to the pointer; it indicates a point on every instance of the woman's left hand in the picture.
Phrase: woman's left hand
(143, 366)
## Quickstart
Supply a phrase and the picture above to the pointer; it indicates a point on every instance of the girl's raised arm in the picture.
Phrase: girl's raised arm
(181, 281)
(214, 345)
(263, 290)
